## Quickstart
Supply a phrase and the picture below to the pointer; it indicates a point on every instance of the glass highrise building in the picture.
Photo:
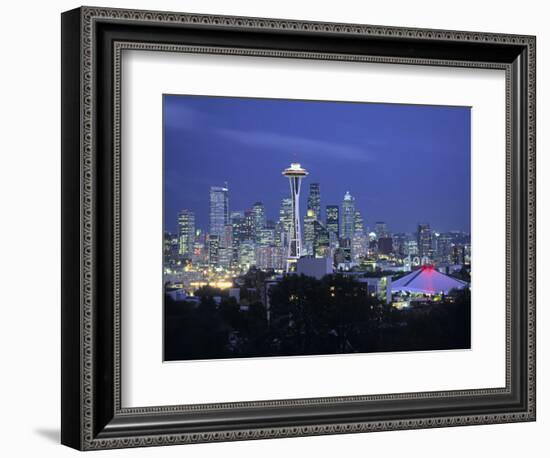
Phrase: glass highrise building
(314, 200)
(265, 237)
(443, 245)
(249, 225)
(237, 231)
(348, 217)
(186, 232)
(381, 229)
(399, 241)
(321, 240)
(213, 250)
(258, 210)
(219, 210)
(247, 255)
(285, 214)
(309, 233)
(358, 227)
(424, 240)
(333, 219)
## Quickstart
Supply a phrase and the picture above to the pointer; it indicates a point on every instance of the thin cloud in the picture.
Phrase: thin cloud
(301, 145)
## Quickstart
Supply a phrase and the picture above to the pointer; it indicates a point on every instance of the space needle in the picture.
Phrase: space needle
(294, 173)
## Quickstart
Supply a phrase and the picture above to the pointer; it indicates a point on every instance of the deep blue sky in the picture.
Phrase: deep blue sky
(404, 164)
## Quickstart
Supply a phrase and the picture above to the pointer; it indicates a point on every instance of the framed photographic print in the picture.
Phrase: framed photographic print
(279, 228)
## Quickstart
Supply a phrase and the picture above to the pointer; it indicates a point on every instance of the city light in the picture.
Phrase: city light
(240, 240)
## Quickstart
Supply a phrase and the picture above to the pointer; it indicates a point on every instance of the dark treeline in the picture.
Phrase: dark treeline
(308, 317)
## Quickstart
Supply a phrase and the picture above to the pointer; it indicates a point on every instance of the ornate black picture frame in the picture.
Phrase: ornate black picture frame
(92, 42)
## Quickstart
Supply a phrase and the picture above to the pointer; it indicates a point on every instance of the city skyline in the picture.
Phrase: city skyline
(442, 185)
(273, 217)
(276, 202)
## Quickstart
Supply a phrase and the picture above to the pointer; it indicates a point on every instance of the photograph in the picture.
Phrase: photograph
(312, 227)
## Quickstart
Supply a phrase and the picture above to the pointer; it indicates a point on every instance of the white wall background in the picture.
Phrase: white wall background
(30, 215)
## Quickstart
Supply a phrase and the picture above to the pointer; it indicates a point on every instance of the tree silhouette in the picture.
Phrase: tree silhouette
(336, 314)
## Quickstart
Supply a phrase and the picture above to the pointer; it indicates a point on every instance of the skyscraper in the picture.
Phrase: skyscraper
(295, 173)
(381, 229)
(411, 248)
(358, 227)
(348, 216)
(219, 210)
(186, 232)
(309, 233)
(385, 245)
(265, 237)
(359, 245)
(247, 255)
(213, 250)
(333, 219)
(258, 210)
(236, 215)
(249, 225)
(285, 214)
(321, 240)
(238, 231)
(399, 241)
(314, 200)
(227, 239)
(424, 240)
(269, 257)
(443, 245)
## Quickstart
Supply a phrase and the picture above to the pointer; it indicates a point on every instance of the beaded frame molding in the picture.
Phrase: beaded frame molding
(93, 40)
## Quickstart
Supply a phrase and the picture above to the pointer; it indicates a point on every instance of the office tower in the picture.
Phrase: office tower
(295, 173)
(265, 237)
(213, 249)
(314, 200)
(237, 224)
(219, 210)
(359, 246)
(258, 210)
(348, 216)
(358, 227)
(343, 253)
(238, 232)
(385, 245)
(278, 235)
(186, 232)
(381, 229)
(227, 239)
(424, 240)
(199, 252)
(321, 240)
(171, 248)
(411, 248)
(333, 219)
(285, 214)
(399, 242)
(269, 258)
(458, 254)
(236, 215)
(247, 255)
(249, 225)
(443, 246)
(309, 233)
(225, 256)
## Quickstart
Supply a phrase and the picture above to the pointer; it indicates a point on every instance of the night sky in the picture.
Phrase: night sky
(404, 164)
